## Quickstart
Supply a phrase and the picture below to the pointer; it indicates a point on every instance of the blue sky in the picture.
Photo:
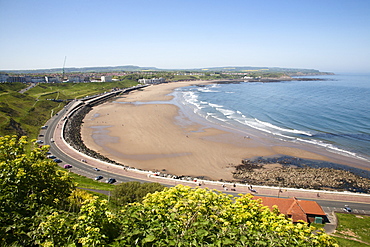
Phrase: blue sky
(326, 35)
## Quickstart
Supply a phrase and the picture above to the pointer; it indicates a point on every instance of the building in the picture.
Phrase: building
(52, 79)
(4, 77)
(106, 78)
(74, 79)
(16, 79)
(152, 81)
(308, 211)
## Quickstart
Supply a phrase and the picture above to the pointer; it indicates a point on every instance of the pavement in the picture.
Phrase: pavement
(330, 226)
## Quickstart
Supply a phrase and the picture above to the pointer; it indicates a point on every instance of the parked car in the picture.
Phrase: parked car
(67, 166)
(44, 127)
(111, 181)
(96, 169)
(39, 141)
(51, 156)
(347, 209)
(99, 178)
(57, 160)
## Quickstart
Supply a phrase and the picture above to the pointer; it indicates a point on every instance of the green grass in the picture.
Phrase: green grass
(24, 114)
(342, 242)
(75, 90)
(11, 87)
(88, 183)
(352, 229)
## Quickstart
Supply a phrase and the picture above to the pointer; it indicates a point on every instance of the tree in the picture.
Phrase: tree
(182, 216)
(130, 192)
(28, 182)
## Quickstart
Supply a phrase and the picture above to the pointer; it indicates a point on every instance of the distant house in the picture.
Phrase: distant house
(16, 79)
(52, 79)
(106, 78)
(4, 77)
(308, 211)
(152, 81)
(74, 79)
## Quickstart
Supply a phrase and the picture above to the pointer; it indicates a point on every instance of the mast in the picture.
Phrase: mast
(64, 64)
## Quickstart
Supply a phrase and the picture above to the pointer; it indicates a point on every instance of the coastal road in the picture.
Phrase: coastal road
(121, 175)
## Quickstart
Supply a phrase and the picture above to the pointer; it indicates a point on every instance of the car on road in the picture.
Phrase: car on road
(99, 178)
(57, 160)
(67, 166)
(111, 181)
(347, 209)
(96, 169)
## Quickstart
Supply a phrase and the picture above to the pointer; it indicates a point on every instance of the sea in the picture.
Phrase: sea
(332, 113)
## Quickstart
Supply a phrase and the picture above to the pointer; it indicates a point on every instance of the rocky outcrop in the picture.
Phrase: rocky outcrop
(288, 173)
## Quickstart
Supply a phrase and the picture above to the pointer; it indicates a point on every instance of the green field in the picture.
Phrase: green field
(88, 183)
(353, 230)
(24, 114)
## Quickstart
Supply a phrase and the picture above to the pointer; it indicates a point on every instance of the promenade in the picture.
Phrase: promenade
(217, 185)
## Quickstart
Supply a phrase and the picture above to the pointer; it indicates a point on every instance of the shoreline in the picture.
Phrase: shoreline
(158, 136)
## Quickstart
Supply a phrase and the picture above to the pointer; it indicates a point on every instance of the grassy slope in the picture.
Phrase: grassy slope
(353, 230)
(23, 114)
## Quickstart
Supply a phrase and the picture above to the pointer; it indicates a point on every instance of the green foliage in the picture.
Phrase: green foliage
(182, 216)
(28, 181)
(95, 225)
(130, 192)
(52, 228)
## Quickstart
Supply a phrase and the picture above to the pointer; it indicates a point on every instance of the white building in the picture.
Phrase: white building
(51, 79)
(152, 81)
(106, 79)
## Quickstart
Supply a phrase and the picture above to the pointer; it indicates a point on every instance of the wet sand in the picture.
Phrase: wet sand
(156, 136)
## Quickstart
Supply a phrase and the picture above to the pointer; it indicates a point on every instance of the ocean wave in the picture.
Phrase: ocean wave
(225, 112)
(294, 131)
(303, 124)
(215, 105)
(358, 136)
(207, 90)
(331, 148)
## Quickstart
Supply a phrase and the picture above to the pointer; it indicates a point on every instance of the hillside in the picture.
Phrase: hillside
(23, 114)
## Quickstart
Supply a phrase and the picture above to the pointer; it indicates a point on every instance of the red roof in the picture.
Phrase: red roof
(293, 208)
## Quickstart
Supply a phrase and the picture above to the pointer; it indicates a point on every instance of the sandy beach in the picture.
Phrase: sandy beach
(154, 135)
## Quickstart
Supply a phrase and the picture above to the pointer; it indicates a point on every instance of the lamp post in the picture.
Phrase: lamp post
(281, 180)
